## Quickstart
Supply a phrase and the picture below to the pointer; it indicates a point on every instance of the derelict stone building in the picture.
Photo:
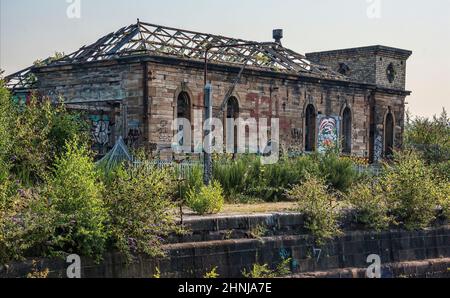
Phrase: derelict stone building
(134, 82)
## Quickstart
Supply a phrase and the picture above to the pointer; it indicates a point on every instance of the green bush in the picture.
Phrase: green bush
(431, 137)
(65, 216)
(139, 200)
(318, 207)
(369, 202)
(193, 180)
(6, 132)
(263, 271)
(41, 130)
(235, 176)
(208, 200)
(338, 172)
(246, 179)
(74, 195)
(412, 193)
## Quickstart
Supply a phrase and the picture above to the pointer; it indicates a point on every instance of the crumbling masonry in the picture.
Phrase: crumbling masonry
(134, 82)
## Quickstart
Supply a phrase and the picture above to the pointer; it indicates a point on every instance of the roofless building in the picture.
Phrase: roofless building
(134, 82)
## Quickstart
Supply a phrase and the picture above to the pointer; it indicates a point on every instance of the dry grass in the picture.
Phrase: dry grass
(258, 208)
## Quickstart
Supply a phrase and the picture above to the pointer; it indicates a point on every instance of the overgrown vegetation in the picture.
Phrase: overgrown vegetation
(319, 207)
(371, 208)
(206, 200)
(412, 192)
(53, 199)
(141, 210)
(263, 271)
(246, 179)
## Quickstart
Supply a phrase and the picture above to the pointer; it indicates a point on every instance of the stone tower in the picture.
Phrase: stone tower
(385, 69)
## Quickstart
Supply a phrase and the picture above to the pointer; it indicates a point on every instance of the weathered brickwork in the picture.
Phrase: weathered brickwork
(140, 97)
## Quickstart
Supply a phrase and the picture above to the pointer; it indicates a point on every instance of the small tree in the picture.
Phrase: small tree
(431, 137)
(74, 194)
(139, 200)
(412, 193)
(318, 206)
(207, 200)
(6, 132)
(371, 206)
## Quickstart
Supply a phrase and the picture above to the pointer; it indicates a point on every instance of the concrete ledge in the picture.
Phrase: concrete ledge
(231, 257)
(223, 227)
(434, 268)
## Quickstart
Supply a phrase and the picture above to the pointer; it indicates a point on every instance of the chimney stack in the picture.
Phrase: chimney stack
(278, 35)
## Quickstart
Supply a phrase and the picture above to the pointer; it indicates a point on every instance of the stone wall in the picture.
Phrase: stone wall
(258, 97)
(209, 246)
(368, 64)
(140, 96)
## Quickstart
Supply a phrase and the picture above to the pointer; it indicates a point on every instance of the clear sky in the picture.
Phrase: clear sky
(34, 29)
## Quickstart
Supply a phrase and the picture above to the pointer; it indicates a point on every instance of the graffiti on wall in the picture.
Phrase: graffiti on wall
(378, 148)
(100, 129)
(163, 131)
(328, 134)
(296, 135)
(134, 133)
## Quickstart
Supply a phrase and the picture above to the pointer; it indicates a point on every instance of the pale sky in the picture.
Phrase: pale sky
(35, 29)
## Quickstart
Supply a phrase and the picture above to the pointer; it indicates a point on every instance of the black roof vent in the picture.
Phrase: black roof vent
(278, 35)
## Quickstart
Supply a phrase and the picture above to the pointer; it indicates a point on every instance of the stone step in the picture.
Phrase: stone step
(226, 227)
(194, 259)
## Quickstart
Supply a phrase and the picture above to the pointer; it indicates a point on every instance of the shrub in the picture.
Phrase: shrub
(318, 207)
(193, 180)
(75, 200)
(6, 135)
(41, 130)
(21, 226)
(263, 271)
(139, 200)
(431, 137)
(339, 173)
(212, 274)
(370, 205)
(444, 197)
(246, 179)
(237, 176)
(208, 200)
(412, 193)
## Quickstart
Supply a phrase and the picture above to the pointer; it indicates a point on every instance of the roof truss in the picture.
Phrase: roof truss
(149, 39)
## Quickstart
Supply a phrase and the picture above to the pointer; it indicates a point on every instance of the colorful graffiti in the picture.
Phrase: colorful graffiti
(328, 135)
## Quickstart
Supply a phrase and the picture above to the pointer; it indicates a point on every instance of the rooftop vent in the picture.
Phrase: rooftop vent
(278, 35)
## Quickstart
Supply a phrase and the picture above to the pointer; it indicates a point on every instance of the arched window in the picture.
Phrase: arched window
(231, 134)
(389, 135)
(347, 131)
(183, 112)
(310, 128)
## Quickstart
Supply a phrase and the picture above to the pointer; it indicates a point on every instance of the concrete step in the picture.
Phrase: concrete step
(226, 227)
(194, 259)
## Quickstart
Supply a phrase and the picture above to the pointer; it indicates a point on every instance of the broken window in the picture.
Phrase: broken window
(389, 135)
(231, 135)
(310, 128)
(183, 112)
(347, 131)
